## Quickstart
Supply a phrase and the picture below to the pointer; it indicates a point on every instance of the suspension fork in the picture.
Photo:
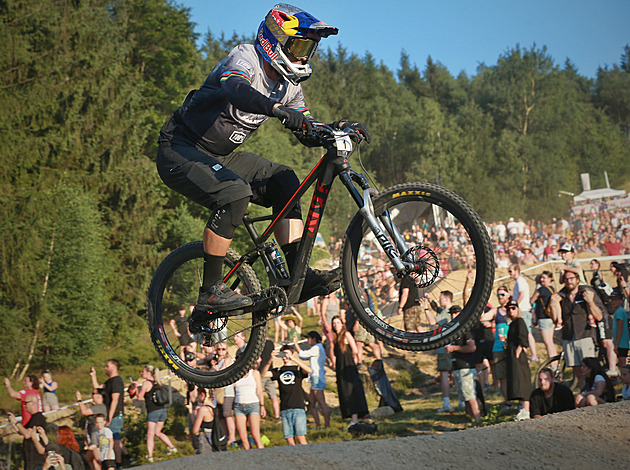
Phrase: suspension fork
(381, 226)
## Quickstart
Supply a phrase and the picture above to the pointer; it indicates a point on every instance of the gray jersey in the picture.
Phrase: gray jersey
(236, 98)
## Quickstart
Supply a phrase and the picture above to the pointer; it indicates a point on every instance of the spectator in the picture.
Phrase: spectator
(98, 407)
(621, 335)
(444, 362)
(289, 378)
(542, 311)
(499, 356)
(114, 389)
(291, 323)
(204, 422)
(105, 448)
(521, 295)
(463, 357)
(226, 410)
(352, 400)
(156, 414)
(519, 384)
(31, 386)
(49, 387)
(66, 447)
(316, 356)
(598, 388)
(249, 407)
(179, 324)
(28, 430)
(567, 252)
(572, 305)
(550, 397)
(625, 379)
(528, 257)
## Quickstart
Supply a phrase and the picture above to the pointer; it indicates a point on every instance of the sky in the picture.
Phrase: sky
(460, 34)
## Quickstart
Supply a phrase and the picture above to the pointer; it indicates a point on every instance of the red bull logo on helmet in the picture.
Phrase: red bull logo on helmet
(267, 46)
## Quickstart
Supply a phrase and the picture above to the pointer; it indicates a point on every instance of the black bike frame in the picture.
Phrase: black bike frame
(328, 167)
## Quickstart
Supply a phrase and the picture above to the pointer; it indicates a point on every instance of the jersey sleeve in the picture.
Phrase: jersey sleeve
(236, 82)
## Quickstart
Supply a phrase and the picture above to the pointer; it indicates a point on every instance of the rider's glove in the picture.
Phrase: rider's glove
(292, 119)
(357, 126)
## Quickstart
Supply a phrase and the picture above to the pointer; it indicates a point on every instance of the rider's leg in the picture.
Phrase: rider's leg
(217, 238)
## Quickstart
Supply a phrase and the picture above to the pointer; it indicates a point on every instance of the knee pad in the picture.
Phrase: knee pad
(282, 185)
(225, 219)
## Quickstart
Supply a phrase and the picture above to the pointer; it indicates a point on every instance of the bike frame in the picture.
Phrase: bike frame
(334, 163)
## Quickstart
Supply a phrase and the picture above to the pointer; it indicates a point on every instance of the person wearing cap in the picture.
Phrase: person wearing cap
(621, 335)
(444, 362)
(567, 252)
(573, 305)
(316, 355)
(519, 382)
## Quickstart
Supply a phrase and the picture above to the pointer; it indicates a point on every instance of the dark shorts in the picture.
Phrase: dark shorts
(215, 181)
(622, 352)
(484, 351)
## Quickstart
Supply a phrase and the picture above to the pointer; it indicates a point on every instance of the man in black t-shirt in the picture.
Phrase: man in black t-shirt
(32, 458)
(550, 397)
(463, 357)
(114, 389)
(289, 378)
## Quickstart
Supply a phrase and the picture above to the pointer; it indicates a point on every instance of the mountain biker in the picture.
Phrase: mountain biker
(197, 157)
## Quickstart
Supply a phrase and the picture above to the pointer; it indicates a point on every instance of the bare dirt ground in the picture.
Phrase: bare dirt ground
(596, 437)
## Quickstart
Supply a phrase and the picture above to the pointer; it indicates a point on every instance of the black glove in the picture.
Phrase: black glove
(357, 126)
(292, 119)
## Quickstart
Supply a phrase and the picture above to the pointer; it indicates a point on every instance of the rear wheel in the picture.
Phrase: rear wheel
(447, 242)
(176, 285)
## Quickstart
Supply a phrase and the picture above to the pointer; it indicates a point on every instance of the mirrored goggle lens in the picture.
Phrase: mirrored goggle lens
(300, 47)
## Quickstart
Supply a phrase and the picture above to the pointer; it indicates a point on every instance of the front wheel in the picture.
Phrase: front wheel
(238, 339)
(451, 248)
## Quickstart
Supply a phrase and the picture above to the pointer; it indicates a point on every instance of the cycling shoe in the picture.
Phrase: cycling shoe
(220, 298)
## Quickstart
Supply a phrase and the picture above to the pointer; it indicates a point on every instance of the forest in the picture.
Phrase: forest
(85, 86)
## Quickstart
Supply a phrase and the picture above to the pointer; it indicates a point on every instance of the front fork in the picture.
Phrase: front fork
(381, 226)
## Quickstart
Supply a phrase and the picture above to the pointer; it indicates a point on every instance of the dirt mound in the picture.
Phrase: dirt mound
(584, 438)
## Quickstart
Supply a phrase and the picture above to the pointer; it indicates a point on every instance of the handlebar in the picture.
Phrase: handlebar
(328, 136)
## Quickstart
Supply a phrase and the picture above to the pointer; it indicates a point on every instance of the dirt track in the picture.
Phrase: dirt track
(588, 438)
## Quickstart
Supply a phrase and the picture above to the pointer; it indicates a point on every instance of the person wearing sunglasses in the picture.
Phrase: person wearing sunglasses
(519, 380)
(197, 146)
(573, 305)
(497, 317)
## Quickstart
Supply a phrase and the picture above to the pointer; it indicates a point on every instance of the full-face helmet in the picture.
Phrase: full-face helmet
(289, 33)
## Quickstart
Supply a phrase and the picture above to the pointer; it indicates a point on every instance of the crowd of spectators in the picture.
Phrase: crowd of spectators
(234, 413)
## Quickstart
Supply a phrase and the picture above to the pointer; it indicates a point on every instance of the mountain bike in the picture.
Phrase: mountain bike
(384, 239)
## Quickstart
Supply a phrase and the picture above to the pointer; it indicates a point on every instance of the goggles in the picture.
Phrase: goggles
(300, 47)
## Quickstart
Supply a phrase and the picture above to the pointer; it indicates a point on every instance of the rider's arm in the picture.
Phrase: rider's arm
(238, 89)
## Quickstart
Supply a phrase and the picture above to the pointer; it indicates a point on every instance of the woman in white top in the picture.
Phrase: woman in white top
(249, 407)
